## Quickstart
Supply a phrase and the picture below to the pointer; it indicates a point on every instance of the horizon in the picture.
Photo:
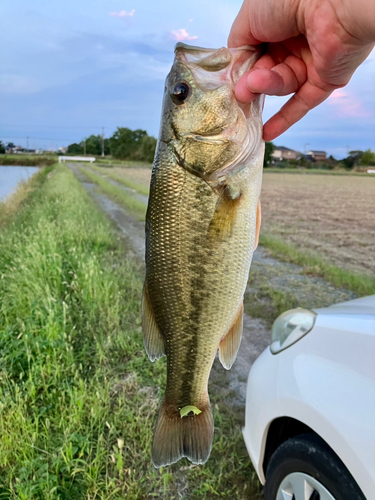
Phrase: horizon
(71, 70)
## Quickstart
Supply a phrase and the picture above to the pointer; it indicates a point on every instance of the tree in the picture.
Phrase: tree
(10, 145)
(93, 145)
(147, 148)
(368, 157)
(269, 149)
(132, 144)
(353, 159)
(75, 149)
(2, 149)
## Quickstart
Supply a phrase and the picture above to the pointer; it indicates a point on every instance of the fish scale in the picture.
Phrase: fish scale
(201, 230)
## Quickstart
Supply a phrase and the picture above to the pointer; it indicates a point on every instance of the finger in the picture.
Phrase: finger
(242, 91)
(282, 79)
(307, 98)
(259, 81)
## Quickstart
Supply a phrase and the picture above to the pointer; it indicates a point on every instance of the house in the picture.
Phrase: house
(10, 149)
(282, 153)
(316, 155)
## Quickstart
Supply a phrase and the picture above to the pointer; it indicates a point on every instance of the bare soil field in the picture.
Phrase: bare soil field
(333, 216)
(142, 175)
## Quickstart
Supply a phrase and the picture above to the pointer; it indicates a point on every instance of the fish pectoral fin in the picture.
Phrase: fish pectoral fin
(258, 224)
(152, 336)
(229, 345)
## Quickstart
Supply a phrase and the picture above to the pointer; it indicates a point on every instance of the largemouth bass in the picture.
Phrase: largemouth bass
(202, 226)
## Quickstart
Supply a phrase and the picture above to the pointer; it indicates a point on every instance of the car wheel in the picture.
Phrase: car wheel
(305, 468)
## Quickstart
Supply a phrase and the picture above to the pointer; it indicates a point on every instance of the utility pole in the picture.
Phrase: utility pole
(27, 142)
(84, 147)
(103, 141)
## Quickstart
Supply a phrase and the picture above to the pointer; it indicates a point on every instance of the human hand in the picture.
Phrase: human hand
(313, 47)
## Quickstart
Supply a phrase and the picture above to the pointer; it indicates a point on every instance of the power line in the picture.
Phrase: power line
(32, 137)
(49, 126)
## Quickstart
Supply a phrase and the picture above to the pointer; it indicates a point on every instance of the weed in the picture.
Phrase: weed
(136, 207)
(315, 265)
(122, 179)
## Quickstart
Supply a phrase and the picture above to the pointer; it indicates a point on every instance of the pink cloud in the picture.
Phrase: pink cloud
(123, 13)
(181, 35)
(347, 105)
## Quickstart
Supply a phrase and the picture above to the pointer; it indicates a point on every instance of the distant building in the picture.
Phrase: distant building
(13, 149)
(282, 153)
(317, 155)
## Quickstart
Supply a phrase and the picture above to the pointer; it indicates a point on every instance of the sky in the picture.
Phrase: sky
(69, 68)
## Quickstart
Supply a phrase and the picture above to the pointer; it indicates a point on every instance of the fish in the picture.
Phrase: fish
(202, 226)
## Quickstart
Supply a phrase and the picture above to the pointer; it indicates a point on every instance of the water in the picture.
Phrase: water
(10, 176)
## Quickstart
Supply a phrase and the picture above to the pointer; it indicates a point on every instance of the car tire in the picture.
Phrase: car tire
(308, 456)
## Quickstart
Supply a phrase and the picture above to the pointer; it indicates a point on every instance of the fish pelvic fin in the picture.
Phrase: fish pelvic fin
(179, 436)
(229, 345)
(152, 336)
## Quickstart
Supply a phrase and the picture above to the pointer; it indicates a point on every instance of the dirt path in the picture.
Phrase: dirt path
(273, 286)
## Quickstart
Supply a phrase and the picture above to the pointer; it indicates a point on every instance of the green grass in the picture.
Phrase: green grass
(136, 207)
(28, 160)
(315, 265)
(111, 162)
(125, 181)
(78, 396)
(313, 171)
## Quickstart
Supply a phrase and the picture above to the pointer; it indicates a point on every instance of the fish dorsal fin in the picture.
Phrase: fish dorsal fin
(152, 337)
(230, 344)
(258, 224)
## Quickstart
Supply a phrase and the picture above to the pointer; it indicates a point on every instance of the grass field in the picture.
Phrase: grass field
(78, 396)
(331, 217)
(134, 206)
(28, 160)
(129, 177)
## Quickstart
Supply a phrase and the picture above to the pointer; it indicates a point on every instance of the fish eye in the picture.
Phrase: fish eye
(180, 92)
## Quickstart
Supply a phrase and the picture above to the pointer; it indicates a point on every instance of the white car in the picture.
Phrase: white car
(310, 405)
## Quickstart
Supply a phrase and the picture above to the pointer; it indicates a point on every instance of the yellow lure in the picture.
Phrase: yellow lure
(184, 412)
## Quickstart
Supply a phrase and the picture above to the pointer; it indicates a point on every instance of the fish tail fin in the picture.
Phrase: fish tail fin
(179, 436)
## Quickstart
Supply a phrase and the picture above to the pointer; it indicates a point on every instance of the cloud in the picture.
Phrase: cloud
(181, 35)
(123, 13)
(347, 105)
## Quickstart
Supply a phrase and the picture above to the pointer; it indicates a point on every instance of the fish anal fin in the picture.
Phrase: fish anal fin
(230, 344)
(258, 224)
(152, 337)
(176, 437)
